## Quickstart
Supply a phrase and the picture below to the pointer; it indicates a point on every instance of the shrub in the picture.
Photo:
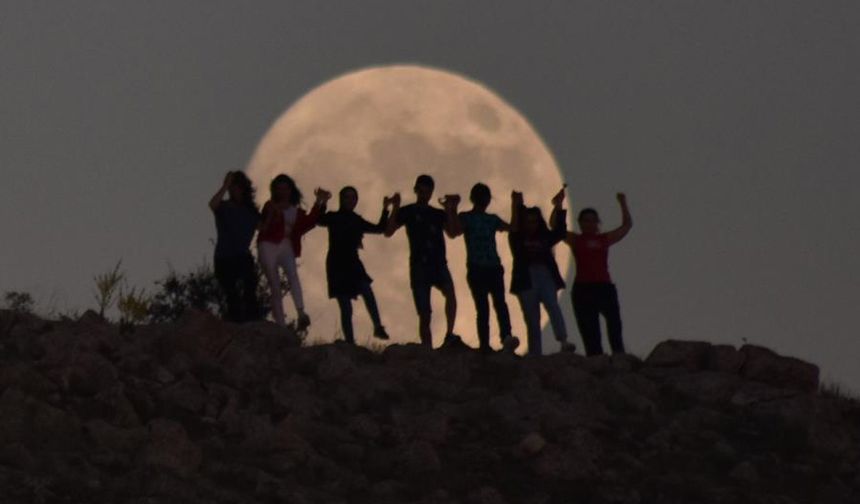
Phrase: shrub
(21, 302)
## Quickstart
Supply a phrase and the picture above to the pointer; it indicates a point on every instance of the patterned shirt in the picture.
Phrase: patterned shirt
(479, 230)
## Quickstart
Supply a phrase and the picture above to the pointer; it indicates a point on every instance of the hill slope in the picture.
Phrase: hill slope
(206, 412)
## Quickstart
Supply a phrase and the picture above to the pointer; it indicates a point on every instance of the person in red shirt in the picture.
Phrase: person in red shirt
(279, 242)
(593, 292)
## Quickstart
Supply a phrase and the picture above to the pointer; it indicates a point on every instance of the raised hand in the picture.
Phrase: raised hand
(395, 200)
(387, 202)
(450, 200)
(517, 197)
(228, 179)
(622, 198)
(558, 199)
(322, 195)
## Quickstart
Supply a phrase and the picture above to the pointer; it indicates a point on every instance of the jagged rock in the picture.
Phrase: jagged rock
(532, 444)
(169, 447)
(691, 355)
(205, 412)
(725, 358)
(486, 495)
(764, 365)
(26, 419)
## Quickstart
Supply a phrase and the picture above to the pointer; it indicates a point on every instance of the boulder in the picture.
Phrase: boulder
(725, 358)
(169, 447)
(765, 365)
(690, 355)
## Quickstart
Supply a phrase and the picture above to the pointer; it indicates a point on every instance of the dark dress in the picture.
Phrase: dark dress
(537, 250)
(234, 264)
(345, 272)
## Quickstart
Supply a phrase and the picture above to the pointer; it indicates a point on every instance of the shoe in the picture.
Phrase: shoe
(510, 343)
(303, 322)
(566, 346)
(379, 333)
(452, 339)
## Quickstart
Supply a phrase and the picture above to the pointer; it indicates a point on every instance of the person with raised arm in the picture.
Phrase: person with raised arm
(236, 220)
(594, 294)
(535, 278)
(279, 242)
(428, 266)
(347, 278)
(484, 271)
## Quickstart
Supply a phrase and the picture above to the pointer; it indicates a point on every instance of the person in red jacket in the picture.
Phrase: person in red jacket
(279, 242)
(593, 292)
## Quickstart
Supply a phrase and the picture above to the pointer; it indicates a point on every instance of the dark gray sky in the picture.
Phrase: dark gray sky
(732, 125)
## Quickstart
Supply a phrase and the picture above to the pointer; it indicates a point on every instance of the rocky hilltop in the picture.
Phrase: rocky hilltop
(205, 412)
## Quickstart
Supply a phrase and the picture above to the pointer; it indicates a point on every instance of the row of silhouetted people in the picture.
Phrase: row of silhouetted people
(535, 276)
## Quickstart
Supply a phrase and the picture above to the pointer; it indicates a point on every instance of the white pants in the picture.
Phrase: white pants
(271, 256)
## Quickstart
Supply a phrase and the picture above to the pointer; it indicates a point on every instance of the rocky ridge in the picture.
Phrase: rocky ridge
(206, 412)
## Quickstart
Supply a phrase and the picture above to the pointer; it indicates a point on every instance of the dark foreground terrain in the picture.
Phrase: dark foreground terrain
(205, 412)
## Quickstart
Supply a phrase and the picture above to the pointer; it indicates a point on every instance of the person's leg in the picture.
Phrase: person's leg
(531, 313)
(268, 256)
(497, 292)
(446, 285)
(612, 311)
(421, 297)
(548, 296)
(587, 318)
(370, 303)
(250, 308)
(345, 305)
(226, 273)
(478, 287)
(288, 261)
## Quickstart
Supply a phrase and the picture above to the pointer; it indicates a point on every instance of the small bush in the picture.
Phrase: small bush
(133, 307)
(21, 302)
(177, 292)
(107, 287)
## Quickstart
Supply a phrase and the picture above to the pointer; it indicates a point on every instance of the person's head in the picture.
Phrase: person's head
(284, 190)
(241, 190)
(589, 220)
(534, 222)
(348, 198)
(480, 196)
(424, 186)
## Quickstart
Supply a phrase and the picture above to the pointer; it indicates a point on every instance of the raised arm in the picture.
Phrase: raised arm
(453, 226)
(307, 221)
(218, 198)
(392, 225)
(380, 226)
(516, 208)
(616, 235)
(558, 219)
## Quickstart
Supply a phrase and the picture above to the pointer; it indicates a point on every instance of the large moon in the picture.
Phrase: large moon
(377, 129)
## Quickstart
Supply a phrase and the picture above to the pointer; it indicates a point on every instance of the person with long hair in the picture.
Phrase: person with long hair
(484, 271)
(594, 294)
(428, 266)
(536, 279)
(236, 220)
(279, 242)
(347, 278)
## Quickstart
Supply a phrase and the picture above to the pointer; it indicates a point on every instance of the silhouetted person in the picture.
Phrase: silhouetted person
(593, 292)
(347, 278)
(279, 242)
(428, 266)
(236, 221)
(536, 278)
(485, 274)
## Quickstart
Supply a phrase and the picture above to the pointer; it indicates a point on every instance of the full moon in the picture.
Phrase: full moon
(377, 129)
